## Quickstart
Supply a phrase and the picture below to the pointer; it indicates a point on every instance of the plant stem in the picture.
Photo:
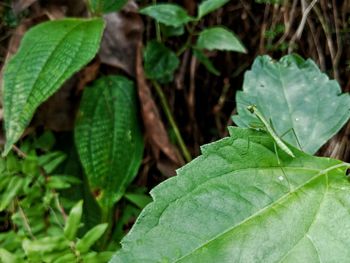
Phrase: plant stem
(168, 114)
(191, 33)
(158, 33)
(106, 217)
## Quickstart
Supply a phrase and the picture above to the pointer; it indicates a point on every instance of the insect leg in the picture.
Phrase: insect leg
(276, 152)
(295, 136)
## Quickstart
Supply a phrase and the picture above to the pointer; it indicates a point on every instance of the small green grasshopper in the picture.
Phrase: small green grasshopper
(253, 109)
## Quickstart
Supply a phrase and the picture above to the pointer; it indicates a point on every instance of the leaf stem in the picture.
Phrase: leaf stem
(168, 114)
(158, 33)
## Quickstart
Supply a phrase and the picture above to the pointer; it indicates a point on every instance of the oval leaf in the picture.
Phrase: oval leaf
(296, 96)
(168, 14)
(238, 203)
(208, 6)
(49, 54)
(160, 62)
(219, 38)
(108, 137)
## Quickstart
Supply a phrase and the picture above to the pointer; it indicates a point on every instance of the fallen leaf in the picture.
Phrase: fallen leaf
(88, 74)
(154, 128)
(20, 5)
(122, 33)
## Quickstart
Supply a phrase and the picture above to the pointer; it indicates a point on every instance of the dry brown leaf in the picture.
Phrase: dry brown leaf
(155, 131)
(88, 74)
(122, 33)
(20, 5)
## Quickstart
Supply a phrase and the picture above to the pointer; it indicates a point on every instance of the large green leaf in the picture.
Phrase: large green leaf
(219, 38)
(49, 54)
(108, 137)
(238, 203)
(208, 6)
(293, 93)
(168, 14)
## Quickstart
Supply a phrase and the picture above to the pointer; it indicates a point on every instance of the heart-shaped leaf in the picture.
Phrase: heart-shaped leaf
(108, 137)
(295, 95)
(238, 202)
(49, 54)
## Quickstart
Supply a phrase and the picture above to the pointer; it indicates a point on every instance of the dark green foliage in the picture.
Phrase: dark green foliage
(108, 137)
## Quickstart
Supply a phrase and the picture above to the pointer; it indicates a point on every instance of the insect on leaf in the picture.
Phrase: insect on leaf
(236, 203)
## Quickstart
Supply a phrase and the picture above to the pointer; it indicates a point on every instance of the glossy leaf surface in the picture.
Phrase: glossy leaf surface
(208, 6)
(108, 137)
(294, 94)
(237, 203)
(168, 14)
(49, 54)
(219, 38)
(160, 62)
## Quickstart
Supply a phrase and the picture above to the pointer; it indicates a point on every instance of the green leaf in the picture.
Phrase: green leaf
(73, 221)
(108, 137)
(101, 257)
(50, 161)
(170, 31)
(7, 257)
(140, 200)
(160, 62)
(294, 94)
(238, 203)
(69, 257)
(45, 142)
(61, 181)
(14, 186)
(39, 247)
(84, 244)
(208, 6)
(49, 54)
(106, 6)
(205, 61)
(219, 38)
(168, 14)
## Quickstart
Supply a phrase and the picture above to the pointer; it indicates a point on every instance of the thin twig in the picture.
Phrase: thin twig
(301, 26)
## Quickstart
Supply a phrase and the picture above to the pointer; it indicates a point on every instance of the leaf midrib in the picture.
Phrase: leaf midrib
(36, 80)
(322, 172)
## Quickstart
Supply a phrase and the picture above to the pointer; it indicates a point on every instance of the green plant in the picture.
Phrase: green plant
(161, 62)
(243, 199)
(238, 202)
